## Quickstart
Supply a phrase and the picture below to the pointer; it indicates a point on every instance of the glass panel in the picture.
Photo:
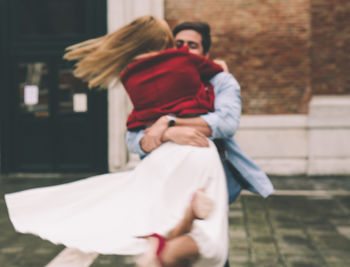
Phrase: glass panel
(72, 92)
(34, 89)
(52, 16)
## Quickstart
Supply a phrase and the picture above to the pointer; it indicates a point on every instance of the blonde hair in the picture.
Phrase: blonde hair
(103, 59)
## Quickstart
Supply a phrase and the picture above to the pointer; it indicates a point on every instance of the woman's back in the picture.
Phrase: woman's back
(169, 82)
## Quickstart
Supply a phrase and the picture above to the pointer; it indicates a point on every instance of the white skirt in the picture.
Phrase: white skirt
(106, 213)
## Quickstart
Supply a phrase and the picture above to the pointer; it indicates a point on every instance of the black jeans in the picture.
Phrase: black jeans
(227, 264)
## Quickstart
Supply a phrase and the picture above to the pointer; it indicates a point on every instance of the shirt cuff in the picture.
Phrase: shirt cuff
(211, 120)
(140, 151)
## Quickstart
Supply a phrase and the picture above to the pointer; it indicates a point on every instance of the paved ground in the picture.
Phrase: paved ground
(305, 224)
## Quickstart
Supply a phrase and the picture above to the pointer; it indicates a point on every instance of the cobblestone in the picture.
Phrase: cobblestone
(302, 230)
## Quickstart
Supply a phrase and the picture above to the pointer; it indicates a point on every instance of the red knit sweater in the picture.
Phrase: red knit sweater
(171, 82)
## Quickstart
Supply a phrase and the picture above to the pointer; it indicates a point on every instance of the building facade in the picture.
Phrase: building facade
(291, 59)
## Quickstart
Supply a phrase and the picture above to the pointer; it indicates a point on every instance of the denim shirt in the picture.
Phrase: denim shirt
(241, 171)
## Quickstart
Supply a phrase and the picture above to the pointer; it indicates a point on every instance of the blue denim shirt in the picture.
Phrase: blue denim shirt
(241, 171)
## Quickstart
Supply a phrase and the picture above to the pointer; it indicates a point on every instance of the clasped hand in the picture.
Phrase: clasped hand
(159, 132)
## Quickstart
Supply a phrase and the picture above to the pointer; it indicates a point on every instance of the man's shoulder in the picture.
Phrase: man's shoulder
(224, 79)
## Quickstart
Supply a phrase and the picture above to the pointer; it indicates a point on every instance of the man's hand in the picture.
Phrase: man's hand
(189, 131)
(222, 64)
(153, 137)
(183, 135)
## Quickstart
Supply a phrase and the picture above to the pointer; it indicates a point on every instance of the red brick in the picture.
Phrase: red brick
(281, 52)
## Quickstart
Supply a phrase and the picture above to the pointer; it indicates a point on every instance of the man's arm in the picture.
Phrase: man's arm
(133, 142)
(196, 123)
(191, 131)
(224, 121)
(141, 143)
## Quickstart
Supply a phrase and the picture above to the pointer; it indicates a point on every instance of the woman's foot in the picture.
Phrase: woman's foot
(201, 205)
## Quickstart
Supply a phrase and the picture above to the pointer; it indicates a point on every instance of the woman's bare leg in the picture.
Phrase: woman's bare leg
(184, 226)
(199, 208)
(180, 251)
(180, 248)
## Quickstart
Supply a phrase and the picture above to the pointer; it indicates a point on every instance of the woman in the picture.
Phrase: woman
(120, 213)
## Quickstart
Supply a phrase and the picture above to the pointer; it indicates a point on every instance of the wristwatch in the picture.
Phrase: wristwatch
(172, 120)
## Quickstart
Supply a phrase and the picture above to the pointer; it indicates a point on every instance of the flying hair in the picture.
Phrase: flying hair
(102, 59)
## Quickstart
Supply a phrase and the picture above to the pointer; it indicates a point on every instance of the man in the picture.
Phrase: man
(221, 125)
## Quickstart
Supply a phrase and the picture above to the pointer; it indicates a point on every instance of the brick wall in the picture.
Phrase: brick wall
(273, 47)
(330, 53)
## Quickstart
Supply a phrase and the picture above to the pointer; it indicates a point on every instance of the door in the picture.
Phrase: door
(55, 118)
(52, 122)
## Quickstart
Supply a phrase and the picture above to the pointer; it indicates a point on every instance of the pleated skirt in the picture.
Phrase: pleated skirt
(107, 213)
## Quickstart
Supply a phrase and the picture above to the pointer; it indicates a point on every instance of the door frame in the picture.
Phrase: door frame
(4, 88)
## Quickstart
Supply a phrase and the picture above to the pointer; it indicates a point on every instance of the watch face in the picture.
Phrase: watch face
(171, 123)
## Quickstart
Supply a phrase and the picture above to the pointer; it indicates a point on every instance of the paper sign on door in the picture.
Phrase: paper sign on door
(80, 102)
(31, 95)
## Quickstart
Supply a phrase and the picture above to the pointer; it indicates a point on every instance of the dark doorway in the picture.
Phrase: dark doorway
(51, 121)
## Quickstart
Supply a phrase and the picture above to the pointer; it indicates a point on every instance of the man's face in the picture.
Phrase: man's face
(191, 39)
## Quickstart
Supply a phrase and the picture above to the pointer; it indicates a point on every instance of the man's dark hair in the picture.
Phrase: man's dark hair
(201, 27)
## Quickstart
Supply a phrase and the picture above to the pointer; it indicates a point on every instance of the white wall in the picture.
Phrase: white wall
(329, 135)
(120, 12)
(277, 143)
(315, 144)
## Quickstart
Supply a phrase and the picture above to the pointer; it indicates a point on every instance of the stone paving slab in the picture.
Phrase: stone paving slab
(283, 230)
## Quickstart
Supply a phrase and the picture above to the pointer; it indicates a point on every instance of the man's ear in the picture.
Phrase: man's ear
(207, 54)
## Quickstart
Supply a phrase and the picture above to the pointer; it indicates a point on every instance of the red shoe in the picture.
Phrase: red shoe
(152, 258)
